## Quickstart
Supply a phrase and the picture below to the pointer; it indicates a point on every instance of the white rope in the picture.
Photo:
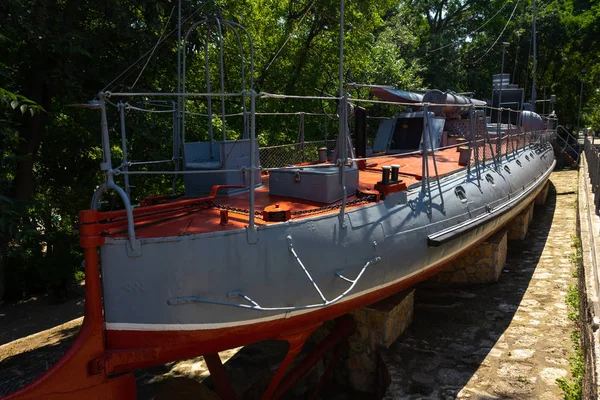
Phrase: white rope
(262, 113)
(154, 49)
(384, 102)
(356, 100)
(500, 35)
(473, 32)
(289, 96)
(162, 94)
(368, 85)
(148, 52)
(291, 113)
(206, 115)
(130, 107)
(288, 38)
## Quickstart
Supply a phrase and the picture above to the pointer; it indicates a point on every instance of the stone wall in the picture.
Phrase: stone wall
(588, 228)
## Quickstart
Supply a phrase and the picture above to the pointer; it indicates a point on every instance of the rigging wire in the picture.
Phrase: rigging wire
(499, 36)
(289, 37)
(149, 51)
(526, 84)
(473, 32)
(514, 74)
(154, 49)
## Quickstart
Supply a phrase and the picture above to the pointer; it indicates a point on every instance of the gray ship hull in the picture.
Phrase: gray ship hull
(198, 282)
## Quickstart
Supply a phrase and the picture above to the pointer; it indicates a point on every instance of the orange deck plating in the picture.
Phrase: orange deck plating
(184, 218)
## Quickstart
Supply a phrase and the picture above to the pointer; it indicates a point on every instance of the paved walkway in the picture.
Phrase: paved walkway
(511, 339)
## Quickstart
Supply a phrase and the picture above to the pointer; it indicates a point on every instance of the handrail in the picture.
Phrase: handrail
(110, 183)
(477, 139)
(568, 133)
(566, 144)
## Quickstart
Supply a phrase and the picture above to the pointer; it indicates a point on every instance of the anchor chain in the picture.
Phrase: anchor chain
(318, 210)
(234, 209)
(331, 207)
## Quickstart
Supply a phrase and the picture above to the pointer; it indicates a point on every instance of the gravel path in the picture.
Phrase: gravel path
(507, 340)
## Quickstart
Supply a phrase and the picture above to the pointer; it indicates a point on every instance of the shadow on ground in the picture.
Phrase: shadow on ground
(18, 367)
(38, 314)
(454, 329)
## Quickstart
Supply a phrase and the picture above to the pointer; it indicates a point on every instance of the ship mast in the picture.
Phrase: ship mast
(342, 135)
(176, 141)
(533, 93)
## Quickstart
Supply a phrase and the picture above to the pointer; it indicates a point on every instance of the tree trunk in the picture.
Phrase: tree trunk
(303, 56)
(31, 134)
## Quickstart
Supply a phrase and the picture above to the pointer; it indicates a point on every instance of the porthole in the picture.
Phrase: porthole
(489, 178)
(460, 193)
(507, 169)
(527, 157)
(519, 163)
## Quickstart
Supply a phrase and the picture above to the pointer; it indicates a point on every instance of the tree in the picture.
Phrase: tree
(56, 53)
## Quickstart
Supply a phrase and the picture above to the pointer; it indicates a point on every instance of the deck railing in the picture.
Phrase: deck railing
(486, 150)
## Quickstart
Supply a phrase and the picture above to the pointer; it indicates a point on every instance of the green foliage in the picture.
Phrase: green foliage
(16, 100)
(577, 257)
(572, 301)
(56, 53)
(572, 389)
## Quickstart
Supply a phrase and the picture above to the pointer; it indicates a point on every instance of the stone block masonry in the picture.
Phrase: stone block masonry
(589, 278)
(482, 264)
(518, 227)
(540, 200)
(377, 327)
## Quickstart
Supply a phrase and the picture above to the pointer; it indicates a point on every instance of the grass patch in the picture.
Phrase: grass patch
(572, 301)
(577, 256)
(572, 388)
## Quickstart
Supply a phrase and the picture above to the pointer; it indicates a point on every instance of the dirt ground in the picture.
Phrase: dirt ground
(34, 334)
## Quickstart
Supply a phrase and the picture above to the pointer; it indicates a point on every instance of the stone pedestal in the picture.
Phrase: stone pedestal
(377, 327)
(482, 264)
(540, 200)
(518, 227)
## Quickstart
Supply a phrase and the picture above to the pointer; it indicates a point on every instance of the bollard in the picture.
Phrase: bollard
(395, 170)
(385, 174)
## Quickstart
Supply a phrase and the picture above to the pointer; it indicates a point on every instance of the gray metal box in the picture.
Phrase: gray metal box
(315, 184)
(231, 154)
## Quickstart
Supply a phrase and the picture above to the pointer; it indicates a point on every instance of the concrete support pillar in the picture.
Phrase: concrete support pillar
(518, 227)
(482, 264)
(377, 327)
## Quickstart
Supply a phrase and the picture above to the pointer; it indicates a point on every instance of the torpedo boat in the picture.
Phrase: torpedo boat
(257, 249)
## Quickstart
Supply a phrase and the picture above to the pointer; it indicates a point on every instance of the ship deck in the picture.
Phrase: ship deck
(182, 219)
